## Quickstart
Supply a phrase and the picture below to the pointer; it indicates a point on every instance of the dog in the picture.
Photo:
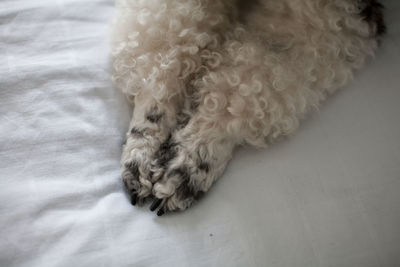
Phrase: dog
(205, 76)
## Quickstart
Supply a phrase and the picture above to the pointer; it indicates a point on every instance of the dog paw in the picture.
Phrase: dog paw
(138, 152)
(189, 174)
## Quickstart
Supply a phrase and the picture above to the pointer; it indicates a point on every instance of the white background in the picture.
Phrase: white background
(328, 196)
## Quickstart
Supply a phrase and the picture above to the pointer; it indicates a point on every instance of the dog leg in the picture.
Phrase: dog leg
(151, 124)
(158, 47)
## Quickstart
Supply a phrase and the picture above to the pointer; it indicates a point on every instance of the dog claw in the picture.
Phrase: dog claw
(133, 199)
(155, 204)
(160, 212)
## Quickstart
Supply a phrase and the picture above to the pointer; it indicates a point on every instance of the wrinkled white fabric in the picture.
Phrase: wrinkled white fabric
(328, 196)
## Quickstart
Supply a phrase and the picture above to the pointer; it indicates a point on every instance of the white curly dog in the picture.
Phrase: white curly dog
(207, 75)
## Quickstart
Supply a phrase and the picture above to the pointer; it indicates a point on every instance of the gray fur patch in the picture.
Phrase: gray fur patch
(154, 117)
(183, 120)
(130, 177)
(133, 167)
(166, 152)
(136, 132)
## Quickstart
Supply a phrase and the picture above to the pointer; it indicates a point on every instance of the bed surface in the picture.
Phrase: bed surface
(328, 196)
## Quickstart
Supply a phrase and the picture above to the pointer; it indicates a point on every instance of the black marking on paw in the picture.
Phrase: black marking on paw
(185, 190)
(372, 12)
(136, 132)
(204, 166)
(133, 167)
(183, 120)
(166, 152)
(154, 117)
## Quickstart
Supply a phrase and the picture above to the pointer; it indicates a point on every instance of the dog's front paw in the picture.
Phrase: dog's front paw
(190, 173)
(136, 162)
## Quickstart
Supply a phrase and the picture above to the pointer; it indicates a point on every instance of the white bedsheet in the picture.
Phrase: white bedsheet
(328, 196)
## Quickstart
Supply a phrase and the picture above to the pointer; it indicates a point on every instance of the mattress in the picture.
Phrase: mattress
(327, 196)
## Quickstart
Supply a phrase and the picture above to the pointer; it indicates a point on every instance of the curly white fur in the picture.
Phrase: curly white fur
(239, 75)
